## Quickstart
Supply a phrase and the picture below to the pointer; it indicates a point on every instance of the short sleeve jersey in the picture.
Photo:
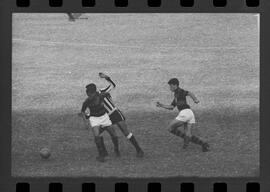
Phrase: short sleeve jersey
(180, 100)
(95, 105)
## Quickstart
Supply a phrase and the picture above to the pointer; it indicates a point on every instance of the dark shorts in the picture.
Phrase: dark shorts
(117, 116)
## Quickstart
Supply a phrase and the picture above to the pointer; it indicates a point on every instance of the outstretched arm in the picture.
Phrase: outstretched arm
(169, 107)
(193, 97)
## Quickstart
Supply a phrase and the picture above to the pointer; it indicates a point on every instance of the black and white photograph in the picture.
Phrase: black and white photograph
(135, 95)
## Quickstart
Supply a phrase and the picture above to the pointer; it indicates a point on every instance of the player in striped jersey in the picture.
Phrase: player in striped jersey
(117, 116)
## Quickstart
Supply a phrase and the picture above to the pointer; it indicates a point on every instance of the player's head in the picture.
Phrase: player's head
(91, 90)
(173, 83)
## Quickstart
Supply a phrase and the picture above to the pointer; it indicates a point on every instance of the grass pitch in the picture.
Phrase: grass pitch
(214, 56)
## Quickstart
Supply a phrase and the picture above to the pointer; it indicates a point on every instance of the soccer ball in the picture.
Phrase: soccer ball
(45, 153)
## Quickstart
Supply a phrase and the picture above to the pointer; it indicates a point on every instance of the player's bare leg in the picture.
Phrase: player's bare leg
(196, 140)
(173, 128)
(124, 129)
(105, 152)
(114, 138)
(99, 143)
(101, 130)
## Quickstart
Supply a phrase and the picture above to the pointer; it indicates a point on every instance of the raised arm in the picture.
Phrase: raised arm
(193, 97)
(107, 78)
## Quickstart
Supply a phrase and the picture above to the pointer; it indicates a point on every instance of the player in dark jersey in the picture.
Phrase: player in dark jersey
(117, 116)
(185, 117)
(108, 108)
(98, 118)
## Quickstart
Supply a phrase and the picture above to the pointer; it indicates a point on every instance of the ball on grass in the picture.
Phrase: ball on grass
(45, 153)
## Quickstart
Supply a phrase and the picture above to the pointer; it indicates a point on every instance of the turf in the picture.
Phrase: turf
(214, 56)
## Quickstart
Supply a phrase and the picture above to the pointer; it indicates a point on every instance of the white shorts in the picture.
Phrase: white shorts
(103, 121)
(186, 115)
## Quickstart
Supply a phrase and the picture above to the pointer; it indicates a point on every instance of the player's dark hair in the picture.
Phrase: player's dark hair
(91, 88)
(173, 81)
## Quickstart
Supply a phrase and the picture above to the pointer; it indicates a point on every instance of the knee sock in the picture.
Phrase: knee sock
(115, 143)
(178, 133)
(134, 142)
(196, 140)
(105, 152)
(100, 148)
(186, 140)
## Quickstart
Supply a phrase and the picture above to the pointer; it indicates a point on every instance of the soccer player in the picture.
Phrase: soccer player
(74, 16)
(98, 118)
(71, 17)
(185, 117)
(117, 116)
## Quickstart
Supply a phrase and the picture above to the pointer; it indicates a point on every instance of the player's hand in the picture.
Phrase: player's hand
(102, 75)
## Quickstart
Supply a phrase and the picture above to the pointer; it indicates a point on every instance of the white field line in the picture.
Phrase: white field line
(71, 43)
(122, 46)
